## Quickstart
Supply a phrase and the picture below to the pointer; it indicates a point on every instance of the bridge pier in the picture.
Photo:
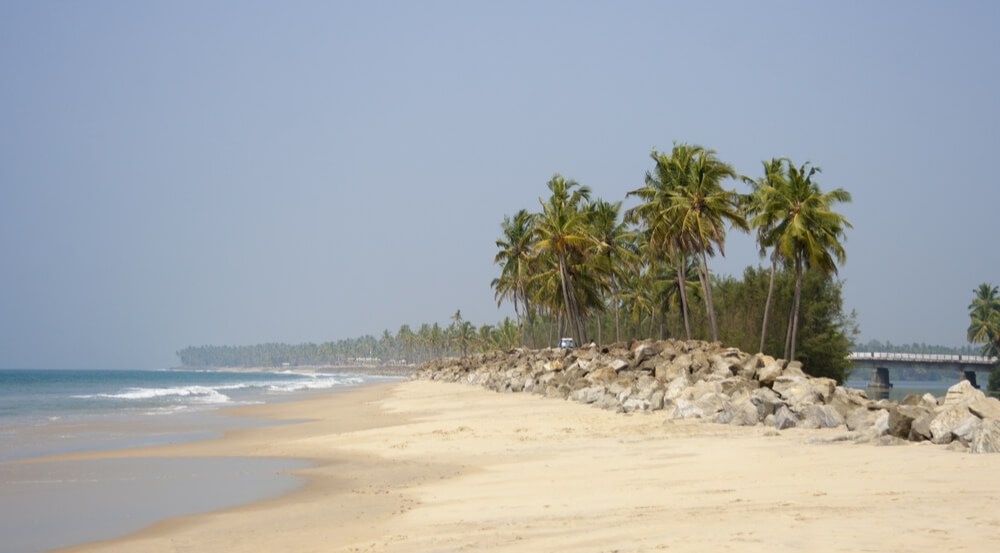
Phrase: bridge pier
(880, 379)
(968, 375)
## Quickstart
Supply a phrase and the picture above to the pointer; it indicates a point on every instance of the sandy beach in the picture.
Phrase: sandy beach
(426, 466)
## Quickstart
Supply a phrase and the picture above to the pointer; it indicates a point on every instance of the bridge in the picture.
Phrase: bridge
(880, 363)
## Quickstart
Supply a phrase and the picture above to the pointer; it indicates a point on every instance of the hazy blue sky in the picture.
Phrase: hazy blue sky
(186, 173)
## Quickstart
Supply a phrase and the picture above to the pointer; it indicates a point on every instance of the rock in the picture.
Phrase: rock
(784, 418)
(604, 375)
(801, 392)
(770, 371)
(794, 368)
(618, 364)
(848, 400)
(767, 401)
(589, 395)
(656, 400)
(739, 413)
(920, 430)
(967, 428)
(961, 394)
(986, 408)
(987, 440)
(666, 370)
(901, 419)
(635, 404)
(642, 352)
(676, 387)
(822, 416)
(734, 386)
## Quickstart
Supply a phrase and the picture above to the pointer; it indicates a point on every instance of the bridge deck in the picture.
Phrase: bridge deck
(921, 358)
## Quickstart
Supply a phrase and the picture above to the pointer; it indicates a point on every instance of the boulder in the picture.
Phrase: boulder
(643, 351)
(666, 370)
(618, 364)
(766, 400)
(967, 428)
(821, 416)
(739, 413)
(848, 400)
(920, 429)
(589, 395)
(800, 392)
(986, 408)
(604, 375)
(901, 419)
(770, 371)
(676, 387)
(784, 418)
(946, 420)
(961, 394)
(987, 440)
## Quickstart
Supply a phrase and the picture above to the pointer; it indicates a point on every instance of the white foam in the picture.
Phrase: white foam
(199, 394)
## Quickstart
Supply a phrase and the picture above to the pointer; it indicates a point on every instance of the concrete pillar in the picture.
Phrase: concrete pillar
(880, 379)
(968, 375)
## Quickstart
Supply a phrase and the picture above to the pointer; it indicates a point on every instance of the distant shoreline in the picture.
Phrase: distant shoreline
(376, 370)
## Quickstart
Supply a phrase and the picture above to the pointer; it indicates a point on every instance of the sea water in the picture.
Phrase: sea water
(44, 505)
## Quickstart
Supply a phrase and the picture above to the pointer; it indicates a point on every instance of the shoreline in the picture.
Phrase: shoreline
(428, 466)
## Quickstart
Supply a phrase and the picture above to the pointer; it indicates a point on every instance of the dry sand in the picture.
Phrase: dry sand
(422, 466)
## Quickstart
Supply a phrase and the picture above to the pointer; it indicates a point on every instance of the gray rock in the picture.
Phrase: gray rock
(822, 416)
(589, 395)
(848, 400)
(920, 430)
(987, 440)
(784, 418)
(635, 404)
(676, 387)
(656, 400)
(967, 428)
(946, 420)
(739, 413)
(901, 419)
(766, 400)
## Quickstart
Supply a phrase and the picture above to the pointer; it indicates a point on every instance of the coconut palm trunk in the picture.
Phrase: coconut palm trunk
(682, 288)
(767, 303)
(795, 307)
(706, 285)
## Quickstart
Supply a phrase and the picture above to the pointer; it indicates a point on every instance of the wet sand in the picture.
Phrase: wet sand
(422, 466)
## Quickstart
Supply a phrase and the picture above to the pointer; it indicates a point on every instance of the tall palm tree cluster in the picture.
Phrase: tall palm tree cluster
(984, 326)
(577, 258)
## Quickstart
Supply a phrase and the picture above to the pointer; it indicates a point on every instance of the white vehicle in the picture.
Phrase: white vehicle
(566, 343)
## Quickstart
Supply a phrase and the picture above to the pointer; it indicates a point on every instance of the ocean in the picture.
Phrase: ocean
(49, 412)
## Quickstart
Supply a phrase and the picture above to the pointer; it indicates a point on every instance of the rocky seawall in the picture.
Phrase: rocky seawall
(702, 380)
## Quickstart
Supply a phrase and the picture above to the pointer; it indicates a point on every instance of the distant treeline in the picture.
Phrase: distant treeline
(889, 347)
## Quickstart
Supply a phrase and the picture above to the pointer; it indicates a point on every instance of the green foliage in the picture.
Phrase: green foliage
(825, 333)
(984, 326)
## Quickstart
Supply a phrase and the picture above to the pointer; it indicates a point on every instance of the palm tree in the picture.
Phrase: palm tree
(615, 252)
(463, 334)
(515, 262)
(984, 315)
(807, 232)
(561, 232)
(685, 206)
(764, 218)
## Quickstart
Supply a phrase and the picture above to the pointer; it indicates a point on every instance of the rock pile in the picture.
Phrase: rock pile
(696, 379)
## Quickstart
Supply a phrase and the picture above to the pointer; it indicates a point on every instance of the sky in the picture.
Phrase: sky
(231, 173)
